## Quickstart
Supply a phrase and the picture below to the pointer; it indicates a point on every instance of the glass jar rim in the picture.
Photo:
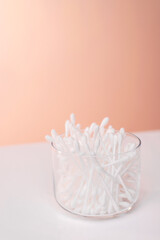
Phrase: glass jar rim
(103, 155)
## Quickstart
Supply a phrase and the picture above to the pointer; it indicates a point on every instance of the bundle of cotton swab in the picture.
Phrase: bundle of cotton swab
(96, 170)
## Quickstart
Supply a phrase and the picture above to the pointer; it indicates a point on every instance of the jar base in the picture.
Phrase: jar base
(97, 216)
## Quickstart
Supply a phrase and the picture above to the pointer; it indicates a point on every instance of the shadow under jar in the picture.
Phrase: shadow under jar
(97, 185)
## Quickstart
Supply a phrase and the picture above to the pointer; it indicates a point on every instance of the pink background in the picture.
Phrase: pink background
(94, 58)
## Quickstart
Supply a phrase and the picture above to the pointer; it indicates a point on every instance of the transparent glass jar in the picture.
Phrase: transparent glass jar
(96, 185)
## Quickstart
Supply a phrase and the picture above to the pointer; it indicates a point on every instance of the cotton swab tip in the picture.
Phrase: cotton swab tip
(49, 138)
(53, 133)
(104, 122)
(72, 118)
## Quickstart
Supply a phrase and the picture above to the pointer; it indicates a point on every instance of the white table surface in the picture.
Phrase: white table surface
(28, 209)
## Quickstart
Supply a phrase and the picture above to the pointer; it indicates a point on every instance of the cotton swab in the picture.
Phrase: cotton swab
(95, 154)
(67, 123)
(54, 134)
(49, 138)
(91, 128)
(104, 122)
(72, 118)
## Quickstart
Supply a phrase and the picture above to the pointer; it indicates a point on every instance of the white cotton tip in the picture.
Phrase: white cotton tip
(91, 128)
(110, 129)
(72, 118)
(104, 122)
(67, 128)
(86, 129)
(53, 133)
(78, 126)
(113, 130)
(49, 138)
(122, 131)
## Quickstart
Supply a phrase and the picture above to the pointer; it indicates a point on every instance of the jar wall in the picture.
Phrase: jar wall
(102, 186)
